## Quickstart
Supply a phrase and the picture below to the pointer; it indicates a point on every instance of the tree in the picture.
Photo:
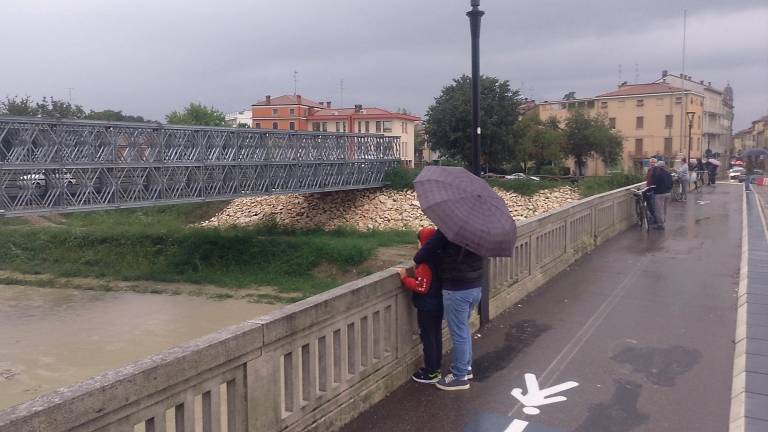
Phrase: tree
(540, 142)
(448, 122)
(19, 106)
(587, 136)
(196, 114)
(115, 116)
(60, 109)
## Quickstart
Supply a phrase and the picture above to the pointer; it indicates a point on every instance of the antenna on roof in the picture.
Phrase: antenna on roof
(637, 73)
(70, 94)
(620, 73)
(295, 80)
(341, 86)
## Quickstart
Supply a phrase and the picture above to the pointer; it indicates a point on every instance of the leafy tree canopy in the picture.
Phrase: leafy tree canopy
(197, 115)
(110, 115)
(52, 107)
(586, 136)
(448, 122)
(540, 142)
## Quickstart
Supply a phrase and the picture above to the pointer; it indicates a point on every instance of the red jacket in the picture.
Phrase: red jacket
(422, 280)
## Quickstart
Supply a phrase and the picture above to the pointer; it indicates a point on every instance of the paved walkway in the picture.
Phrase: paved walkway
(645, 326)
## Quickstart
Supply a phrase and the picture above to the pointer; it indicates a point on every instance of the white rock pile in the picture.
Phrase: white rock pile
(366, 210)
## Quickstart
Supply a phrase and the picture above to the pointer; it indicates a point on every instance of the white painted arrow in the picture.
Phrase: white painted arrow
(537, 397)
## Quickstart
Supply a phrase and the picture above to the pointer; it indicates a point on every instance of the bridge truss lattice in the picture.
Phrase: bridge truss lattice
(57, 166)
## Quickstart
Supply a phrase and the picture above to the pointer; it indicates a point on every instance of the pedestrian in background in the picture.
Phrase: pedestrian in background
(650, 201)
(662, 182)
(683, 175)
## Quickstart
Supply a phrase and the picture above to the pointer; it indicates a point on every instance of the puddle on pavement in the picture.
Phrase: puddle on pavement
(660, 366)
(50, 338)
(619, 413)
(518, 337)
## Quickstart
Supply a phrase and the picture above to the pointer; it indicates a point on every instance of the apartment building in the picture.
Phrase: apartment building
(650, 117)
(294, 112)
(755, 136)
(237, 118)
(717, 126)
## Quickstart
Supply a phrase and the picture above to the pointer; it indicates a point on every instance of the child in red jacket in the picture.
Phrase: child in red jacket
(428, 299)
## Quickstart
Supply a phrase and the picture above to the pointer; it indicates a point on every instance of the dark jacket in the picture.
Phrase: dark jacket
(458, 268)
(662, 180)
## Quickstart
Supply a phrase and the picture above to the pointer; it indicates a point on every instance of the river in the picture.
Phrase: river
(50, 338)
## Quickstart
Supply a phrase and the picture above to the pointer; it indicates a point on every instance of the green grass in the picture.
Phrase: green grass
(589, 186)
(158, 244)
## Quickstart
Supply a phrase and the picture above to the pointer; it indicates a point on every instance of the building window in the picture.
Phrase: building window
(406, 127)
(338, 126)
(316, 126)
(325, 126)
(387, 126)
(378, 126)
(257, 125)
(292, 125)
(604, 104)
(639, 146)
(306, 112)
(668, 146)
(274, 125)
(344, 126)
(640, 102)
(639, 122)
(292, 112)
(612, 122)
(367, 127)
(668, 121)
(274, 111)
(678, 100)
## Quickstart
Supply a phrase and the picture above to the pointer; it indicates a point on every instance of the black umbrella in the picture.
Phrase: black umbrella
(466, 210)
(755, 152)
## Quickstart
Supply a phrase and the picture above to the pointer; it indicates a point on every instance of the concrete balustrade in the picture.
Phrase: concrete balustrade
(312, 365)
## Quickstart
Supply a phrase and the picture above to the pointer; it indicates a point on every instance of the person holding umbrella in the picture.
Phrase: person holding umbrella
(473, 222)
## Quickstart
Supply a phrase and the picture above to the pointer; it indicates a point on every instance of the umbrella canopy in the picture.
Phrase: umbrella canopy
(755, 152)
(466, 210)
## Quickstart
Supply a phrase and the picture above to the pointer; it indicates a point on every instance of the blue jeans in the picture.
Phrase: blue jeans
(458, 306)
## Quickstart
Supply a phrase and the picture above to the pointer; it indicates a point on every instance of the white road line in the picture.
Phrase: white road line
(516, 426)
(557, 366)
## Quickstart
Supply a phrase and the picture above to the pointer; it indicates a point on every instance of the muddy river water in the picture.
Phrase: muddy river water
(50, 338)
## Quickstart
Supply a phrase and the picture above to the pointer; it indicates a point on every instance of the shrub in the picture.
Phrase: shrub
(589, 186)
(399, 178)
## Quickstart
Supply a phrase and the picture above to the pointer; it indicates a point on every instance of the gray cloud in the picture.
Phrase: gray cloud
(148, 57)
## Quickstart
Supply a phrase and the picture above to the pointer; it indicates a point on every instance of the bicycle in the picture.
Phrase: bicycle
(699, 183)
(643, 214)
(677, 187)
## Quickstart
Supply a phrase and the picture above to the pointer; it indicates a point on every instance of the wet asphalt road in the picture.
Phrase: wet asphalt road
(644, 324)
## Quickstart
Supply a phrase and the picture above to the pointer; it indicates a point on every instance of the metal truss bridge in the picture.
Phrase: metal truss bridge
(60, 166)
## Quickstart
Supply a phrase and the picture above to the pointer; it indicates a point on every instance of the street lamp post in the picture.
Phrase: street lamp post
(475, 15)
(690, 115)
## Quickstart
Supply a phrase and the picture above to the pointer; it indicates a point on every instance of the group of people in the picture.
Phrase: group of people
(446, 282)
(659, 180)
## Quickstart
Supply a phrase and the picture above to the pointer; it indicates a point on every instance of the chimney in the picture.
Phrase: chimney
(709, 83)
(664, 73)
(298, 99)
(328, 104)
(622, 84)
(358, 108)
(701, 82)
(269, 100)
(322, 105)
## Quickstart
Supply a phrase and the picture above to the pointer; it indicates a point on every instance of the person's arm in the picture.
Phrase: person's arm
(422, 281)
(428, 252)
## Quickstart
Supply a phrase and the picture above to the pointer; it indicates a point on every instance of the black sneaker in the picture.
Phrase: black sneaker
(424, 376)
(450, 382)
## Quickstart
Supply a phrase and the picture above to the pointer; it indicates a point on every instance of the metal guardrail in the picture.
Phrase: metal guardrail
(51, 165)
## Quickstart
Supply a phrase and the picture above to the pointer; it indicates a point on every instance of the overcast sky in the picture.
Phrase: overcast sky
(149, 57)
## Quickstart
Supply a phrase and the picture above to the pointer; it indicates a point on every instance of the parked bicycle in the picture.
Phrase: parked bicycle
(643, 216)
(699, 183)
(677, 187)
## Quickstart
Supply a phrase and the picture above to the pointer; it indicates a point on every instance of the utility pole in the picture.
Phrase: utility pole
(341, 85)
(295, 80)
(70, 94)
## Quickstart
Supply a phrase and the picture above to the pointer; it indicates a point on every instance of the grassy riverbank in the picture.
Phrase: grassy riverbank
(158, 244)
